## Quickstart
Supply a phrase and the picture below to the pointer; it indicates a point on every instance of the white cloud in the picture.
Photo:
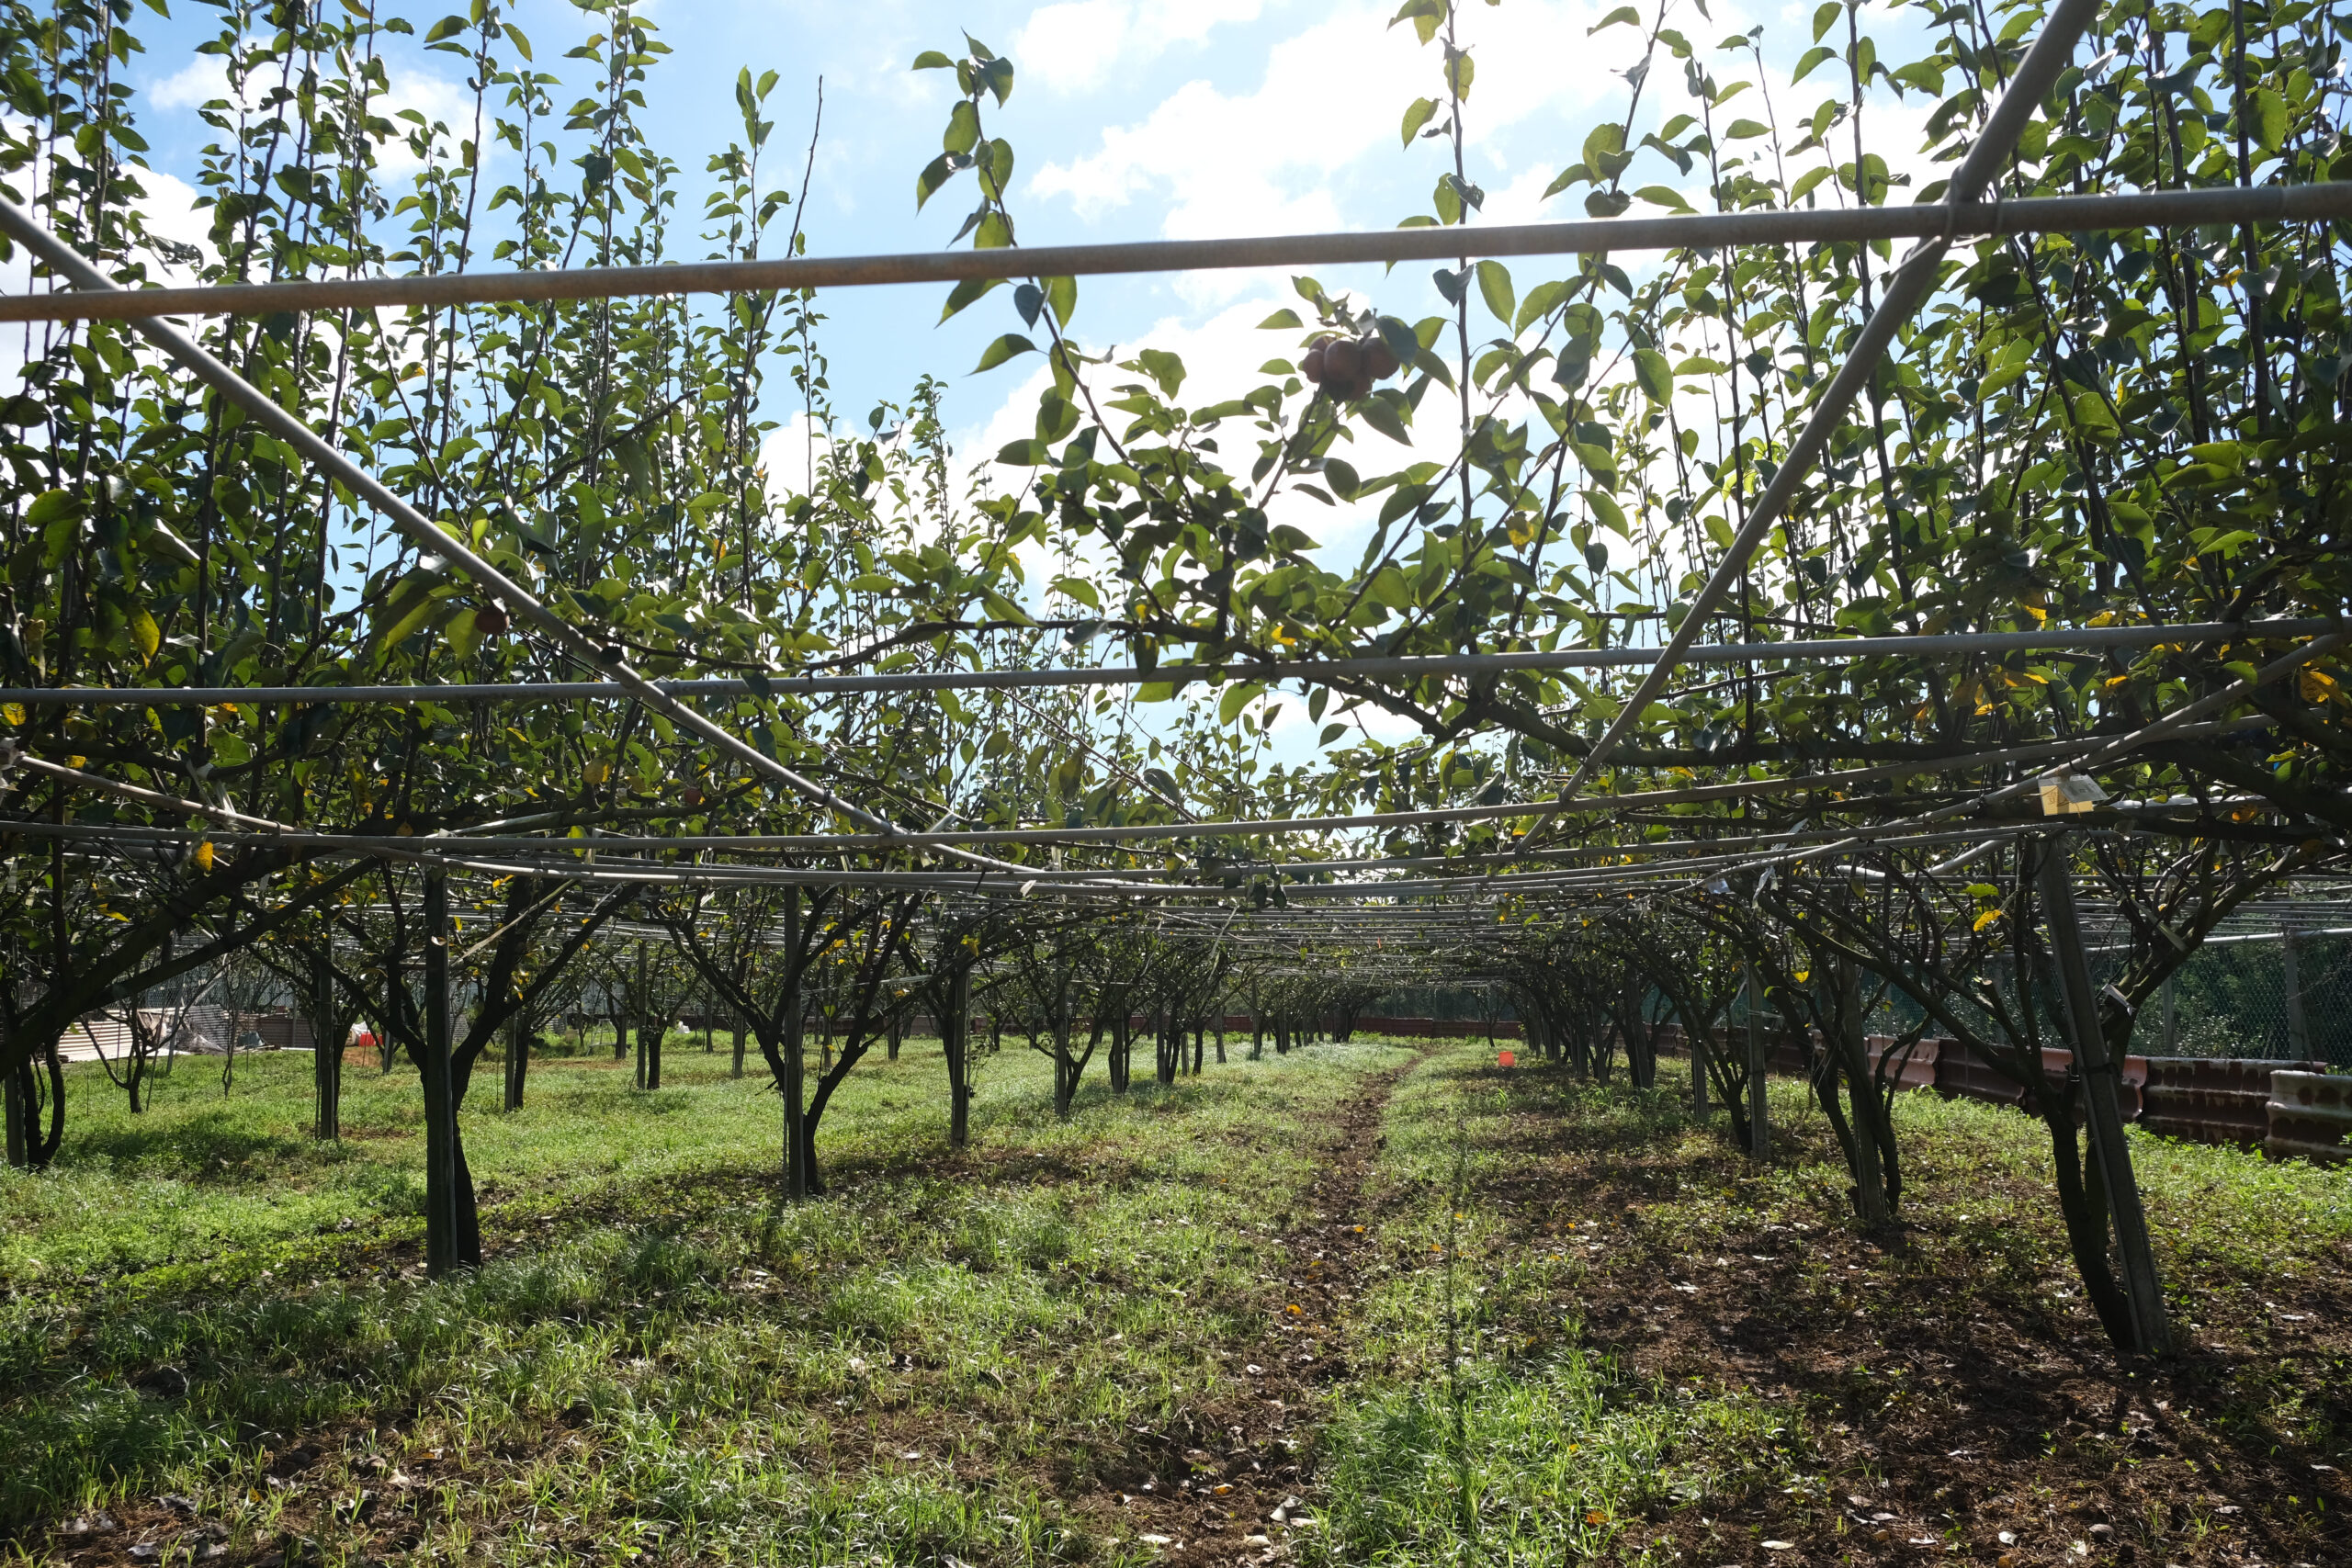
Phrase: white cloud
(1279, 159)
(205, 79)
(193, 85)
(1071, 46)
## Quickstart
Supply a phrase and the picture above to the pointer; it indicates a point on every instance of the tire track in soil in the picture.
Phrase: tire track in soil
(1253, 1447)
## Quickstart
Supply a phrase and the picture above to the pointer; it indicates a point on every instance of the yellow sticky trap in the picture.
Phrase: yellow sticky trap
(2065, 794)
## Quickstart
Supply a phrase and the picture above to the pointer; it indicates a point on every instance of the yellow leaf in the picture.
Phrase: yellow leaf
(1986, 918)
(145, 633)
(204, 856)
(14, 713)
(2317, 688)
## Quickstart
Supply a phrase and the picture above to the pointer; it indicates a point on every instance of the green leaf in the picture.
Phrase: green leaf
(1381, 414)
(1538, 304)
(1010, 346)
(1604, 151)
(1021, 453)
(1663, 196)
(1237, 698)
(1746, 130)
(1655, 376)
(1285, 317)
(1825, 15)
(936, 172)
(1494, 287)
(1388, 586)
(1805, 182)
(1062, 295)
(52, 505)
(447, 27)
(963, 131)
(1606, 511)
(1460, 71)
(1813, 56)
(931, 60)
(1625, 15)
(464, 635)
(967, 293)
(1416, 115)
(1331, 732)
(2270, 119)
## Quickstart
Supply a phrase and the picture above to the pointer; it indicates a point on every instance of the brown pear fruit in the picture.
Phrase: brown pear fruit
(1379, 362)
(1313, 365)
(1342, 358)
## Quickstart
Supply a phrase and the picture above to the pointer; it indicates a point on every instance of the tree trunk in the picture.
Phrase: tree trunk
(955, 1031)
(2110, 1174)
(639, 1006)
(326, 1053)
(1869, 1137)
(518, 1063)
(1760, 1119)
(796, 1148)
(891, 1041)
(738, 1071)
(17, 1089)
(452, 1235)
(1065, 1079)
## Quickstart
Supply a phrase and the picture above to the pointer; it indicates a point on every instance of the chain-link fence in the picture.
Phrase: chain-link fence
(2274, 998)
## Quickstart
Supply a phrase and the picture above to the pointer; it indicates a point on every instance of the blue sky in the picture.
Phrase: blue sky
(1134, 119)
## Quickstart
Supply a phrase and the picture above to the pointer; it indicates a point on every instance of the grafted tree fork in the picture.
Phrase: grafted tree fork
(881, 944)
(303, 955)
(1055, 981)
(1944, 959)
(751, 945)
(755, 947)
(1686, 961)
(105, 966)
(1814, 980)
(960, 944)
(506, 986)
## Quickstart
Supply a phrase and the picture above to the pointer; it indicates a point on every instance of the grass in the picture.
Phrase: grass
(928, 1363)
(1362, 1305)
(1667, 1354)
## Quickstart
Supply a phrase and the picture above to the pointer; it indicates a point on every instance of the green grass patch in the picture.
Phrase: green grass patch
(935, 1361)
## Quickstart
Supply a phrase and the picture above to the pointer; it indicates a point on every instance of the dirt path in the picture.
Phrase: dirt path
(1219, 1476)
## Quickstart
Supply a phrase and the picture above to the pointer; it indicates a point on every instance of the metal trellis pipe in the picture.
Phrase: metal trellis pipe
(1942, 221)
(1906, 290)
(1308, 672)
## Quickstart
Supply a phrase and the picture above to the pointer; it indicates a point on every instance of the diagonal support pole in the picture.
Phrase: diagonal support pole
(426, 536)
(1904, 291)
(2100, 1079)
